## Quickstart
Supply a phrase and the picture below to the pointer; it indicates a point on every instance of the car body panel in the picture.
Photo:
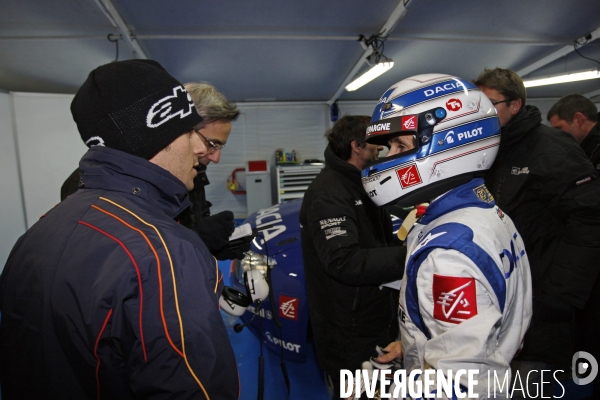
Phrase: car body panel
(281, 233)
(280, 227)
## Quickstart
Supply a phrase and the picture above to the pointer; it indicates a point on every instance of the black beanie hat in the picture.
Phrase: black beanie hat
(133, 106)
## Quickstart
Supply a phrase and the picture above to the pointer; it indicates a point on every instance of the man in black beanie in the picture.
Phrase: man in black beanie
(214, 230)
(107, 296)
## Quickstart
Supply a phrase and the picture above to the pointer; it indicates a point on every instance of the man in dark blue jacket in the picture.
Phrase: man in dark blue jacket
(107, 296)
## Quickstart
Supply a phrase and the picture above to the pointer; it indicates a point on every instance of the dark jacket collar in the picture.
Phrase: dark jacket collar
(591, 142)
(524, 121)
(343, 167)
(109, 169)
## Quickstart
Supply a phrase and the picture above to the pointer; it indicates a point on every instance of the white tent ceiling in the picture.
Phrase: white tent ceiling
(304, 50)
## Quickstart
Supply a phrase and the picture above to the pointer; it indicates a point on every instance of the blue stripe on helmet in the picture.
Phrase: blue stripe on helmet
(419, 95)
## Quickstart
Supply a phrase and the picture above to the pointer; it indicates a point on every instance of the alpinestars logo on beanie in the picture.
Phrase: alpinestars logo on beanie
(179, 104)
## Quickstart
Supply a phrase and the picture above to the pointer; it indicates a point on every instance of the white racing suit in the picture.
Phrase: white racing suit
(465, 299)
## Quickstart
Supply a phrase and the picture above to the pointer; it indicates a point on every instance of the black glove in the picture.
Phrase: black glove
(215, 230)
(234, 249)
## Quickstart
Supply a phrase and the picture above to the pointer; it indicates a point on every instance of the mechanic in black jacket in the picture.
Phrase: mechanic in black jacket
(349, 250)
(544, 181)
(578, 115)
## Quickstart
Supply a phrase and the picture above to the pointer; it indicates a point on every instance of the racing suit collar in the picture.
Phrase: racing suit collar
(471, 194)
(109, 169)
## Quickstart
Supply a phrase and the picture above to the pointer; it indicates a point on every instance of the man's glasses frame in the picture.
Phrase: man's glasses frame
(501, 101)
(213, 147)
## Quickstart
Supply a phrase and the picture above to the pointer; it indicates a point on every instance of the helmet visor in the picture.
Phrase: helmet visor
(400, 145)
(380, 132)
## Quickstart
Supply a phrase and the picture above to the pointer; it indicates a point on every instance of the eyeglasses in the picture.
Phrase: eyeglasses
(212, 146)
(501, 101)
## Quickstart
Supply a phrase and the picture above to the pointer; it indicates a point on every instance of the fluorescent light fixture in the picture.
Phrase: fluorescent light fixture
(368, 76)
(572, 77)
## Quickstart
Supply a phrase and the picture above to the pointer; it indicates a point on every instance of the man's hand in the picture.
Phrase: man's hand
(215, 230)
(394, 351)
(234, 249)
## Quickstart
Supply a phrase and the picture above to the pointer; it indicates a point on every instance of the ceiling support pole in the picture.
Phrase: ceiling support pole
(389, 25)
(582, 41)
(107, 7)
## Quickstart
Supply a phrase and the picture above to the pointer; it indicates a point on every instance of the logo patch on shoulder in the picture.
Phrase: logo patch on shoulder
(455, 298)
(483, 194)
(500, 213)
(519, 171)
(334, 232)
(584, 180)
(409, 176)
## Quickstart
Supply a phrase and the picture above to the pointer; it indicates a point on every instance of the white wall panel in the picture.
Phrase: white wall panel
(357, 108)
(12, 217)
(258, 132)
(49, 148)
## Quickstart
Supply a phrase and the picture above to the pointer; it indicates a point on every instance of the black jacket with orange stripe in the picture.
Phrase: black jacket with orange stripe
(107, 296)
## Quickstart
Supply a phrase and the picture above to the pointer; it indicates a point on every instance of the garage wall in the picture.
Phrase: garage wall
(264, 127)
(40, 147)
(12, 217)
(49, 148)
(258, 132)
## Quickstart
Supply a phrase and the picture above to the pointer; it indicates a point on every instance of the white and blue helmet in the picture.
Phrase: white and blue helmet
(455, 131)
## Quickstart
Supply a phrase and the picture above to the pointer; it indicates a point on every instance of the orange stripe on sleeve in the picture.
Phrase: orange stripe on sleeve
(184, 355)
(96, 351)
(160, 286)
(137, 270)
(218, 275)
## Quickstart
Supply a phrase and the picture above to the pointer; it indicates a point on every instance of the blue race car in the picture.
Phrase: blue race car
(278, 242)
(284, 327)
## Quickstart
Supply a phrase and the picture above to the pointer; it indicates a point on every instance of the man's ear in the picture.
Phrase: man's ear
(515, 106)
(579, 118)
(356, 147)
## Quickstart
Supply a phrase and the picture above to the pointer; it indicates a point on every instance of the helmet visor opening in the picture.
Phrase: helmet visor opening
(403, 143)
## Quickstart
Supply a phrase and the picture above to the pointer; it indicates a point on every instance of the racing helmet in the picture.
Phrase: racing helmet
(454, 130)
